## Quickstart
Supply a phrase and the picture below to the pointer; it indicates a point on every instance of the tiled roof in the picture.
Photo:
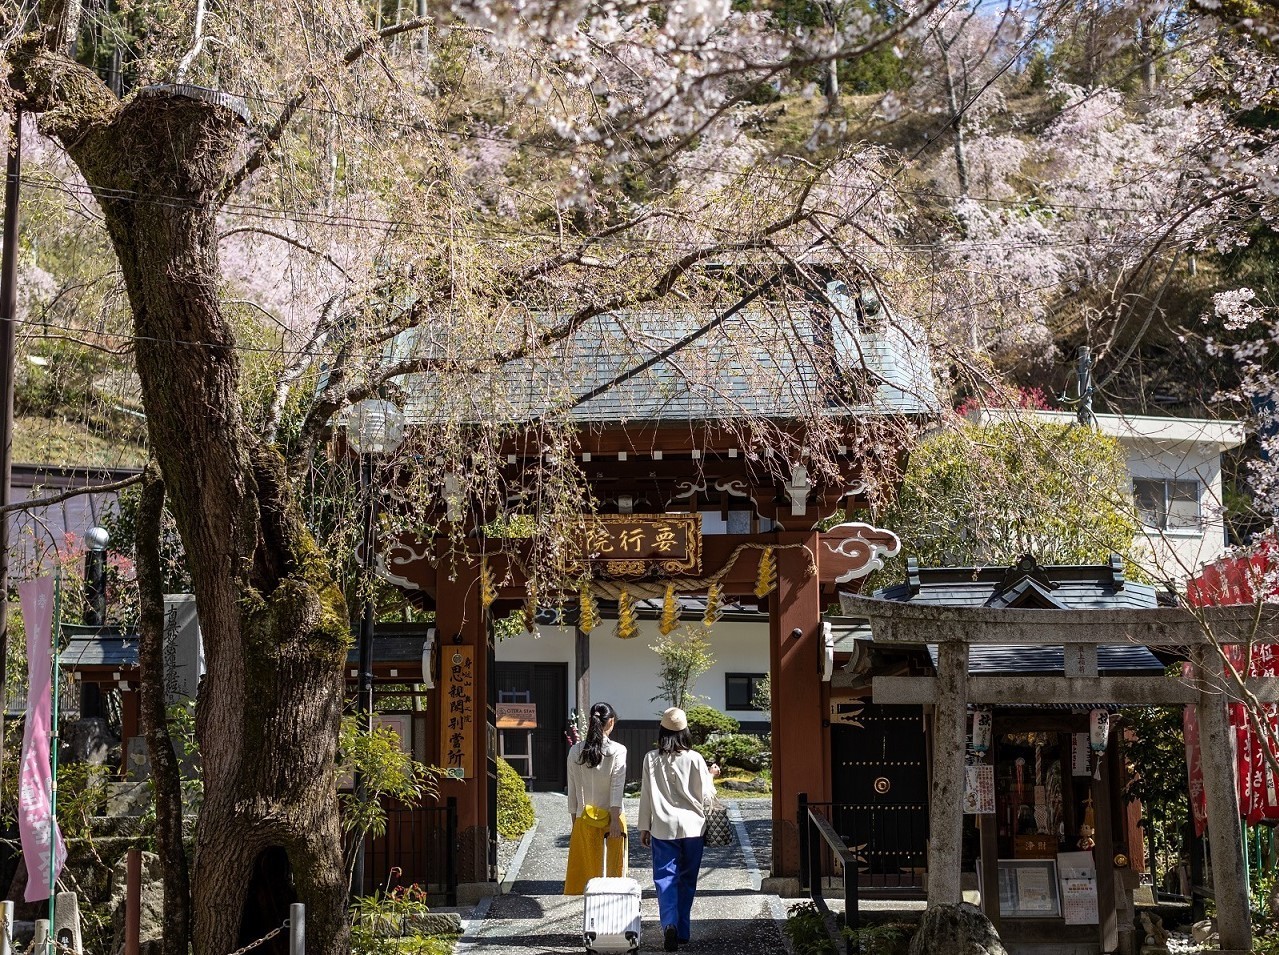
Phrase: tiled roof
(1027, 585)
(33, 532)
(778, 363)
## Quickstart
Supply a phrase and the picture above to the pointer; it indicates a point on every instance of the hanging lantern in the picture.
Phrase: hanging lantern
(627, 625)
(588, 609)
(714, 600)
(670, 612)
(1098, 730)
(488, 593)
(983, 722)
(766, 576)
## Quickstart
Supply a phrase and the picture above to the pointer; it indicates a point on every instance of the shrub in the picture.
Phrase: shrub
(737, 749)
(514, 809)
(705, 720)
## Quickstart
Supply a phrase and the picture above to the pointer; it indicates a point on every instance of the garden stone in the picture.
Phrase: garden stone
(151, 914)
(956, 929)
(1203, 933)
(434, 923)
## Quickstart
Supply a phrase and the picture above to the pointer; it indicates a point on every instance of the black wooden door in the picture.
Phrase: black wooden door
(880, 790)
(548, 685)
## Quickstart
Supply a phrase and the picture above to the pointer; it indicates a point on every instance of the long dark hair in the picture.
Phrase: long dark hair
(673, 741)
(593, 748)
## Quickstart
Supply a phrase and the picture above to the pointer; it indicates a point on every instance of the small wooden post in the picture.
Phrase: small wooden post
(1104, 857)
(947, 802)
(1216, 757)
(133, 902)
(989, 825)
(582, 670)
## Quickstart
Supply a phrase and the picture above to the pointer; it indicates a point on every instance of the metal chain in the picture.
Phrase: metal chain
(263, 940)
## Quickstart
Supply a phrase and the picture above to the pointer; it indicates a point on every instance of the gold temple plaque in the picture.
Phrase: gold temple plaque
(637, 545)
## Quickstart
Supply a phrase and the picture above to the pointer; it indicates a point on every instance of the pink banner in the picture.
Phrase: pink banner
(38, 828)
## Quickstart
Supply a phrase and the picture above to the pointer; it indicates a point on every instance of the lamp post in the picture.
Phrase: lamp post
(373, 427)
(95, 605)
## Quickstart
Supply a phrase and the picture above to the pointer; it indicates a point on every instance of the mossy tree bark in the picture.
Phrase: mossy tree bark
(274, 622)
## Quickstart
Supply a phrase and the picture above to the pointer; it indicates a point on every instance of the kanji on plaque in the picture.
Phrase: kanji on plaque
(457, 721)
(633, 545)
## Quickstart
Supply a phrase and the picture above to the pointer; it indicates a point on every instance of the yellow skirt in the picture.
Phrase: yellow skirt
(586, 855)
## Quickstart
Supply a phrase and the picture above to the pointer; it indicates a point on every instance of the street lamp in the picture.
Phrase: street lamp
(373, 427)
(95, 576)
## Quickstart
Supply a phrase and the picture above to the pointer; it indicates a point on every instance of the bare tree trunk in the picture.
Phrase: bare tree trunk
(957, 119)
(165, 771)
(273, 620)
(1147, 51)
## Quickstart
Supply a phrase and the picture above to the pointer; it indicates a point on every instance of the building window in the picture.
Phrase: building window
(1167, 505)
(739, 690)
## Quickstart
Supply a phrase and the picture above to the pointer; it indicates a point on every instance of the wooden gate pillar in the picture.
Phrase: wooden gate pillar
(462, 636)
(801, 732)
(1216, 754)
(946, 801)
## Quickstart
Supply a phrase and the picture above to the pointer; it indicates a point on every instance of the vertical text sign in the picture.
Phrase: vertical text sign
(457, 721)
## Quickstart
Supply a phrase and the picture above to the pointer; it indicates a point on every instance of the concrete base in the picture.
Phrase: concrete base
(784, 886)
(468, 893)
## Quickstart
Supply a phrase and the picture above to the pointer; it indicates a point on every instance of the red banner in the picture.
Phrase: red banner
(1237, 581)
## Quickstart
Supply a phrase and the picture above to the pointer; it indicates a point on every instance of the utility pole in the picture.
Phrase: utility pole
(8, 320)
(1084, 373)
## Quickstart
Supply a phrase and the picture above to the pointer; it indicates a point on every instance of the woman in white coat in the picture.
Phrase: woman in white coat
(676, 790)
(596, 780)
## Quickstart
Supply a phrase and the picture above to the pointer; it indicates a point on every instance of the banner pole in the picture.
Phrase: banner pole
(53, 762)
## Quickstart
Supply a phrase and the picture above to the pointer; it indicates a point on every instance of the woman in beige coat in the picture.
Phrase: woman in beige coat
(676, 790)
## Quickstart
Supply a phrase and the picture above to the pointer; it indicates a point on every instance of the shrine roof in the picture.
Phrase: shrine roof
(1025, 585)
(773, 363)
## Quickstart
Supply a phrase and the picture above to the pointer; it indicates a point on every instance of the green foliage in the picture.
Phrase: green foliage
(382, 925)
(1263, 902)
(762, 696)
(807, 932)
(880, 939)
(705, 720)
(737, 749)
(1156, 755)
(990, 493)
(82, 794)
(385, 770)
(514, 808)
(685, 655)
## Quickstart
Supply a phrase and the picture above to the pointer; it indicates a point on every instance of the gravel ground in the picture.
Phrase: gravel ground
(729, 917)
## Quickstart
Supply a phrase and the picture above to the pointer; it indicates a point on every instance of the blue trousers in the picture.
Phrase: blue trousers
(675, 867)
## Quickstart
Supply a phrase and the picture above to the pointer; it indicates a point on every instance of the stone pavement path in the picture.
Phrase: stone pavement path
(730, 915)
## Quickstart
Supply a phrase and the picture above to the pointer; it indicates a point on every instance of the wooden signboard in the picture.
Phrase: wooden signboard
(517, 716)
(457, 723)
(633, 545)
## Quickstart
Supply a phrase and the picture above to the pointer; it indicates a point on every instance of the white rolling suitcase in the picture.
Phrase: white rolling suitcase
(611, 916)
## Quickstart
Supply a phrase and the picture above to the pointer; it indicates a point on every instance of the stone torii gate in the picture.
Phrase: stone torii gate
(1201, 634)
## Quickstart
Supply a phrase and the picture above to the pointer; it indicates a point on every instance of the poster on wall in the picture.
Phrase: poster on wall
(1078, 888)
(1028, 888)
(1080, 755)
(457, 722)
(979, 789)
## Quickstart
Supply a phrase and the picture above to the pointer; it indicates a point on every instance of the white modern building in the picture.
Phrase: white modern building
(1175, 465)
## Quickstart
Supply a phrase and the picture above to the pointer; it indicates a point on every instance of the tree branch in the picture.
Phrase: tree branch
(296, 243)
(68, 494)
(258, 157)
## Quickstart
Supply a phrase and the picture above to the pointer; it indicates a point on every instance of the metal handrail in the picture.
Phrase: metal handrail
(812, 828)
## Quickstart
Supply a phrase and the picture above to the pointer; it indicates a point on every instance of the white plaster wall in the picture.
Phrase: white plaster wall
(1177, 554)
(624, 672)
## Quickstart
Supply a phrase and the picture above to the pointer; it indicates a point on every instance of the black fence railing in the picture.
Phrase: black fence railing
(419, 848)
(821, 851)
